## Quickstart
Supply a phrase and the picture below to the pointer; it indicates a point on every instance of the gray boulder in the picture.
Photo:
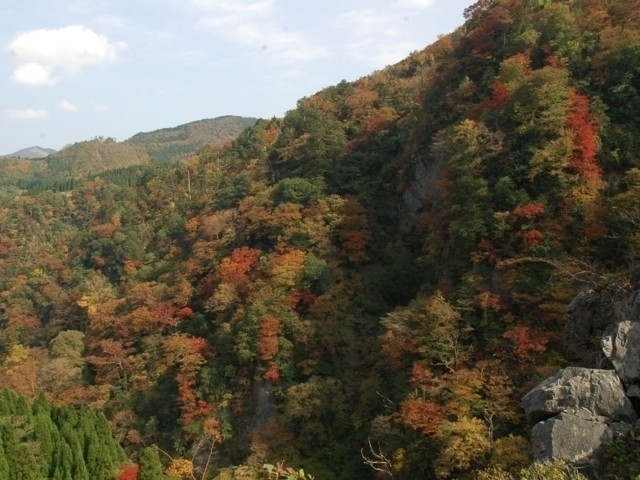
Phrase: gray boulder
(574, 437)
(598, 391)
(621, 345)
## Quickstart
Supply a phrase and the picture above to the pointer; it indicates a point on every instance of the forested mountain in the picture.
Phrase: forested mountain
(117, 161)
(364, 288)
(171, 144)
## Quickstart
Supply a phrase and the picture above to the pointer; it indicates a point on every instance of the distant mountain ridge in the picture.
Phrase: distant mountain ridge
(39, 168)
(32, 152)
(165, 144)
(170, 144)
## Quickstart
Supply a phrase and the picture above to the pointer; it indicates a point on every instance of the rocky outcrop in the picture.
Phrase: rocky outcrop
(424, 189)
(629, 309)
(578, 410)
(572, 389)
(589, 316)
(576, 437)
(621, 345)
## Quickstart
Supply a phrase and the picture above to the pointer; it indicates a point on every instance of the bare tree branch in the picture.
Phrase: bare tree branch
(379, 461)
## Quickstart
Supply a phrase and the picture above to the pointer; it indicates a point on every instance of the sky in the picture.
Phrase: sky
(73, 70)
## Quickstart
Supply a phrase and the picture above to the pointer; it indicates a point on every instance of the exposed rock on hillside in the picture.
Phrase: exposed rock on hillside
(578, 410)
(576, 437)
(629, 309)
(598, 392)
(590, 314)
(622, 347)
(423, 189)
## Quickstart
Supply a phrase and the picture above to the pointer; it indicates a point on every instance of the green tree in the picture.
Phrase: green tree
(4, 462)
(150, 466)
(20, 456)
(48, 438)
(63, 463)
(309, 145)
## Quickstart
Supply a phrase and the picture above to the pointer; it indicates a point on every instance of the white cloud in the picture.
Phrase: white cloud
(67, 106)
(33, 74)
(69, 49)
(27, 114)
(416, 3)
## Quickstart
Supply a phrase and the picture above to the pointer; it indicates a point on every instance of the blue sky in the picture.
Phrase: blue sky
(71, 70)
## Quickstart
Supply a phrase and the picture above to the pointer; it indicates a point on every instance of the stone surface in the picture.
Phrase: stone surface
(622, 347)
(598, 391)
(574, 437)
(590, 315)
(578, 410)
(629, 309)
(424, 187)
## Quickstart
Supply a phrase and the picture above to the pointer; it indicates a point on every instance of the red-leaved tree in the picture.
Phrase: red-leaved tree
(129, 472)
(584, 126)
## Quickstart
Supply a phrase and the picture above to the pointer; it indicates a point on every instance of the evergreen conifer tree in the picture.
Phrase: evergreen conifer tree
(150, 466)
(21, 461)
(63, 463)
(4, 465)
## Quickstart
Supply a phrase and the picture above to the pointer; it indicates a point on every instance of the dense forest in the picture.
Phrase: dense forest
(364, 288)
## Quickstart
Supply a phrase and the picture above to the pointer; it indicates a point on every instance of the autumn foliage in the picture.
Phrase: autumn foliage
(129, 473)
(235, 268)
(526, 341)
(584, 127)
(422, 415)
(354, 233)
(391, 261)
(268, 338)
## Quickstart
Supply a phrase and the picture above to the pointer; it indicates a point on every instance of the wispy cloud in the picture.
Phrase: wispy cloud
(378, 37)
(67, 106)
(102, 108)
(416, 3)
(361, 22)
(27, 114)
(41, 52)
(251, 24)
(276, 43)
(239, 7)
(112, 21)
(376, 54)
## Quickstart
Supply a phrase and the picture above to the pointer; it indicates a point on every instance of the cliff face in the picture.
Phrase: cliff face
(579, 410)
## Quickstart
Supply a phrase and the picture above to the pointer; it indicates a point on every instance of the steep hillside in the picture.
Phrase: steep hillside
(364, 288)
